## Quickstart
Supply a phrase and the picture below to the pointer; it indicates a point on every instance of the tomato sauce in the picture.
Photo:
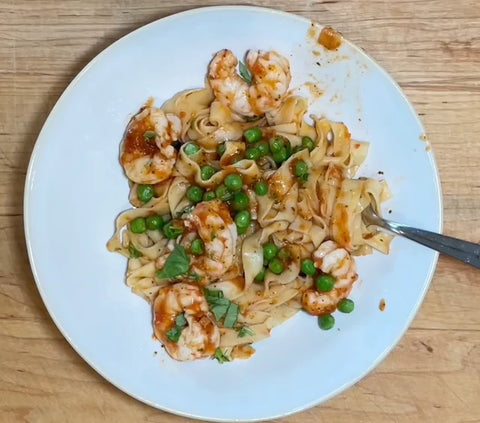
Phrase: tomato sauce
(135, 143)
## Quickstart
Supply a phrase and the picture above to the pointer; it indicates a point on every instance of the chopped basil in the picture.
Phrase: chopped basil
(188, 209)
(220, 356)
(177, 264)
(212, 294)
(134, 253)
(231, 316)
(180, 320)
(245, 72)
(149, 135)
(245, 330)
(174, 334)
(194, 276)
(219, 308)
(222, 307)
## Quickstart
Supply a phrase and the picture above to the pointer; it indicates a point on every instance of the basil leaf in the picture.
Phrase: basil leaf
(177, 264)
(188, 209)
(220, 356)
(212, 294)
(219, 311)
(180, 320)
(174, 334)
(194, 276)
(134, 253)
(245, 330)
(231, 316)
(245, 72)
(221, 307)
(149, 134)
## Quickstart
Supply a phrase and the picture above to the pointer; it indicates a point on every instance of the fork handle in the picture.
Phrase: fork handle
(468, 252)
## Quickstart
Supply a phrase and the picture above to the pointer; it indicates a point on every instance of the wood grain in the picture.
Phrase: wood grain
(432, 48)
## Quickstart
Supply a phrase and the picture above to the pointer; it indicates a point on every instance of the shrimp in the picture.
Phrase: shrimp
(336, 261)
(270, 80)
(215, 226)
(147, 153)
(200, 337)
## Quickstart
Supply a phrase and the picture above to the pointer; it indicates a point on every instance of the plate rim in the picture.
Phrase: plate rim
(41, 141)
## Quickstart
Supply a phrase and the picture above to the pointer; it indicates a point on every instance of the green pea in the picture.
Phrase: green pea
(326, 322)
(197, 247)
(172, 230)
(261, 276)
(195, 194)
(191, 148)
(263, 148)
(209, 196)
(276, 144)
(233, 182)
(138, 225)
(261, 188)
(221, 149)
(253, 134)
(308, 143)
(325, 283)
(276, 266)
(154, 222)
(288, 148)
(206, 172)
(301, 168)
(308, 267)
(242, 231)
(240, 201)
(242, 218)
(252, 154)
(145, 193)
(280, 156)
(223, 193)
(270, 250)
(283, 254)
(346, 306)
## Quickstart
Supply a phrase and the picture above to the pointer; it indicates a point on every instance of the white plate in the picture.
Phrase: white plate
(75, 187)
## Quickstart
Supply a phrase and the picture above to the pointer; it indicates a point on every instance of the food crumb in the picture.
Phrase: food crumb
(380, 172)
(330, 39)
(382, 305)
(155, 353)
(315, 91)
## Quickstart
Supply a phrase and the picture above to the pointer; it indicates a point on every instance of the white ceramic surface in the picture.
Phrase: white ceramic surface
(75, 188)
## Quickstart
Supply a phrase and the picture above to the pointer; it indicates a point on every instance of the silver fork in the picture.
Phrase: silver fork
(465, 251)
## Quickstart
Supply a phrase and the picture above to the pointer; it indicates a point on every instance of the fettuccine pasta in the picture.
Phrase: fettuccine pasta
(243, 213)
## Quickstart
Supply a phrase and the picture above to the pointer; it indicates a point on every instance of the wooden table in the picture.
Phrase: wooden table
(432, 48)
